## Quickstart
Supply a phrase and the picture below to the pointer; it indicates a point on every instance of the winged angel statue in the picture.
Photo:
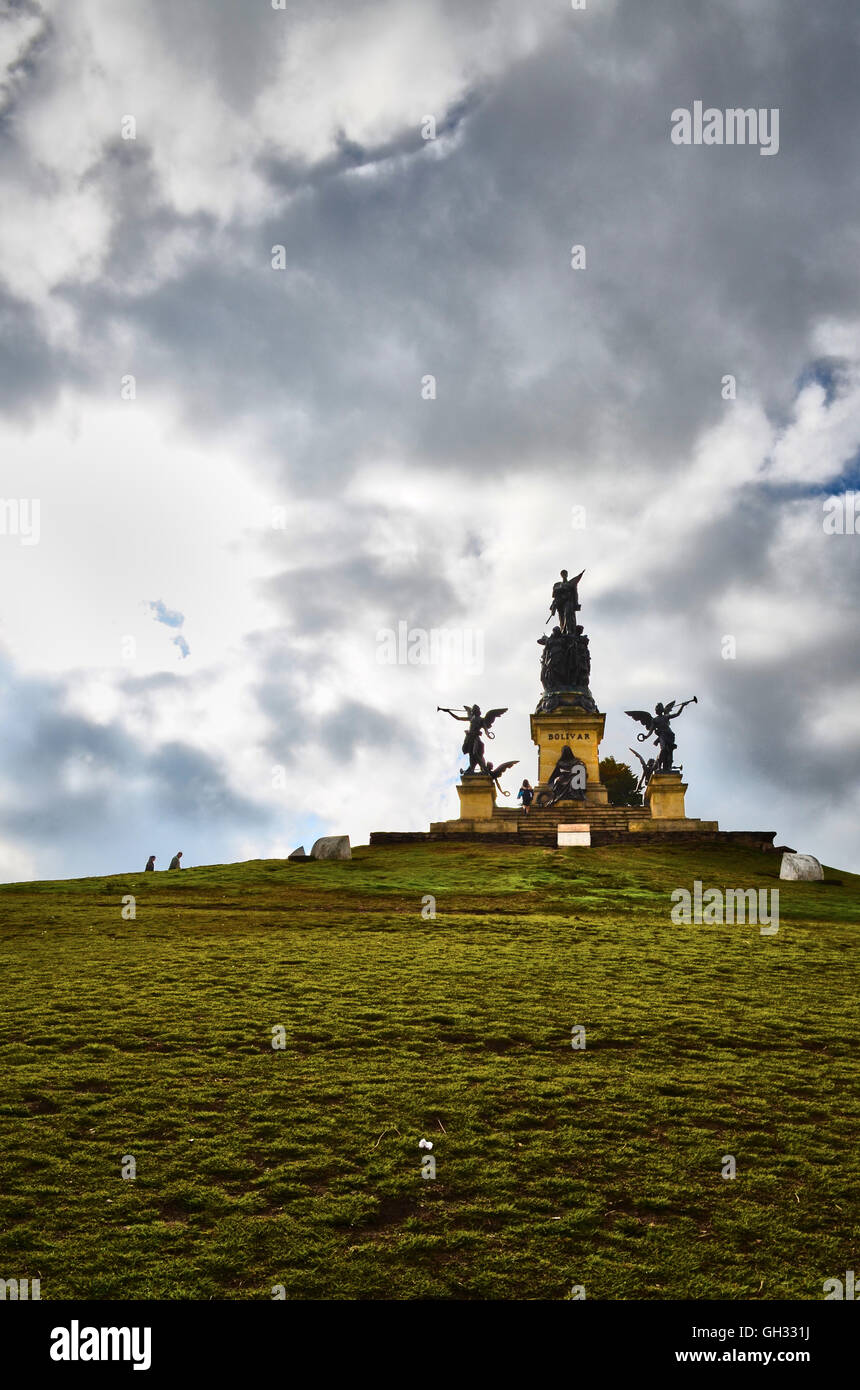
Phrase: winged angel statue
(473, 744)
(658, 725)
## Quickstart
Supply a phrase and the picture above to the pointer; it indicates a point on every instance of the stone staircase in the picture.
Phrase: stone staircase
(541, 828)
(575, 813)
(570, 812)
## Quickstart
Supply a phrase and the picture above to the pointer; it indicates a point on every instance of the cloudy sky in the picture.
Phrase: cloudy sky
(293, 352)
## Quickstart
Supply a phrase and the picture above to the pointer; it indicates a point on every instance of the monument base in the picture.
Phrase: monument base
(664, 796)
(662, 824)
(477, 793)
(581, 732)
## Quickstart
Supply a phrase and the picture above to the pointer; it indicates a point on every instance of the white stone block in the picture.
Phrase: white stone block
(574, 835)
(331, 847)
(800, 866)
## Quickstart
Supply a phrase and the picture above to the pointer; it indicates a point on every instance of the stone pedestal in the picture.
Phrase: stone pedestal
(477, 795)
(582, 733)
(664, 796)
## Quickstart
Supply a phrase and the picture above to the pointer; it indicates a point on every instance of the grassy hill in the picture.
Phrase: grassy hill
(301, 1167)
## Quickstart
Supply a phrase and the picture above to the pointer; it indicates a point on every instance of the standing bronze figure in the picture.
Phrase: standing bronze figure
(565, 667)
(565, 602)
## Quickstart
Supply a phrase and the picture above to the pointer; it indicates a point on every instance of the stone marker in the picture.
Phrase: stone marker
(800, 866)
(574, 835)
(332, 847)
(298, 853)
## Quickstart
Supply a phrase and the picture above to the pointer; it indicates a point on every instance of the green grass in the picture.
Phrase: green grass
(555, 1167)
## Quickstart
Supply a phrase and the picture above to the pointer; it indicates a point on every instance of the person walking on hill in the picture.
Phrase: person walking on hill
(526, 795)
(174, 863)
(150, 865)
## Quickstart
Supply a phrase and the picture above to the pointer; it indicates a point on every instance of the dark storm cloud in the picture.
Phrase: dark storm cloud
(283, 676)
(158, 681)
(26, 60)
(191, 786)
(357, 725)
(141, 221)
(47, 741)
(76, 778)
(459, 266)
(32, 372)
(293, 175)
(700, 559)
(237, 47)
(701, 261)
(287, 678)
(766, 709)
(317, 598)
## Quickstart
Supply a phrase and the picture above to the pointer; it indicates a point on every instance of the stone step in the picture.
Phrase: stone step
(545, 822)
(604, 819)
(566, 807)
(572, 808)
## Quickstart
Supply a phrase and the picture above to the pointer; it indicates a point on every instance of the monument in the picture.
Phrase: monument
(571, 804)
(567, 713)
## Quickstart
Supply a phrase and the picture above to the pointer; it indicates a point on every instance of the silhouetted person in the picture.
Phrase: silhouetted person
(174, 863)
(150, 865)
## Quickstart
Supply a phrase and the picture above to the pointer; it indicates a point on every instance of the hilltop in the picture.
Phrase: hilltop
(300, 1167)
